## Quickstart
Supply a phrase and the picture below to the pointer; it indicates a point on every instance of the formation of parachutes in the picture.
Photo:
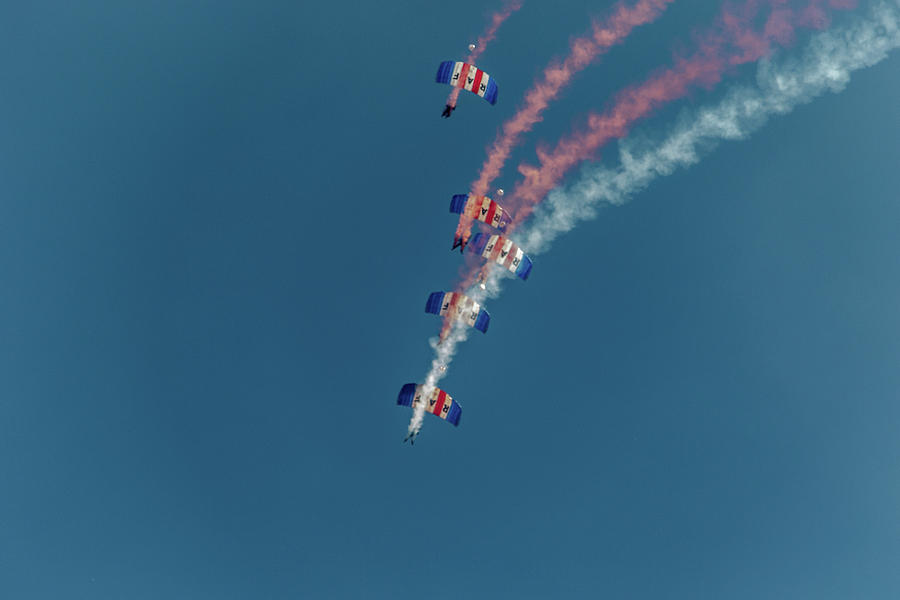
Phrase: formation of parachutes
(493, 247)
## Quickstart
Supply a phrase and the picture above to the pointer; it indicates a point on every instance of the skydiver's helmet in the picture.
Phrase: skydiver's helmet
(471, 47)
(500, 192)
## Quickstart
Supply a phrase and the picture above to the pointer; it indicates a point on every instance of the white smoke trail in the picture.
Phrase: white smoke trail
(445, 351)
(443, 354)
(826, 64)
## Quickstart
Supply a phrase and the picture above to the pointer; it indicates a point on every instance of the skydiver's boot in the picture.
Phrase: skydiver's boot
(448, 110)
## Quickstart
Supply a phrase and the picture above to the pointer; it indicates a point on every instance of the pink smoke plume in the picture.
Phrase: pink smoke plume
(582, 52)
(485, 38)
(732, 41)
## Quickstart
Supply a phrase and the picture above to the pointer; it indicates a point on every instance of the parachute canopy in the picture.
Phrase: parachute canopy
(438, 403)
(468, 77)
(502, 251)
(480, 208)
(460, 306)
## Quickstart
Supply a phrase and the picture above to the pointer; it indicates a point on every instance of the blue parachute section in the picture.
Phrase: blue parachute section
(484, 319)
(491, 94)
(480, 242)
(524, 268)
(433, 305)
(458, 203)
(439, 404)
(407, 393)
(477, 243)
(446, 71)
(441, 303)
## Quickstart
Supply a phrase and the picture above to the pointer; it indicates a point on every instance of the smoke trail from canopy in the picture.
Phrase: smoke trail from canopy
(733, 41)
(825, 65)
(556, 76)
(485, 38)
(781, 85)
(488, 36)
(730, 42)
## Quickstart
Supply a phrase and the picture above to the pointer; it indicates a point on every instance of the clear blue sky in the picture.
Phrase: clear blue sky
(219, 223)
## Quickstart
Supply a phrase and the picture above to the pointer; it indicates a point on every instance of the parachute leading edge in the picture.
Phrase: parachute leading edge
(502, 251)
(461, 306)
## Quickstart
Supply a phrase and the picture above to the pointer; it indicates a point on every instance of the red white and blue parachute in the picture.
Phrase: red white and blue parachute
(468, 77)
(480, 208)
(438, 403)
(502, 251)
(461, 306)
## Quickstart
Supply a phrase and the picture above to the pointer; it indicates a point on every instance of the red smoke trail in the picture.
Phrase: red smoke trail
(488, 36)
(732, 41)
(582, 52)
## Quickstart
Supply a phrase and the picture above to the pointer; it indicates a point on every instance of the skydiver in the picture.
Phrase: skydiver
(447, 110)
(458, 242)
(411, 437)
